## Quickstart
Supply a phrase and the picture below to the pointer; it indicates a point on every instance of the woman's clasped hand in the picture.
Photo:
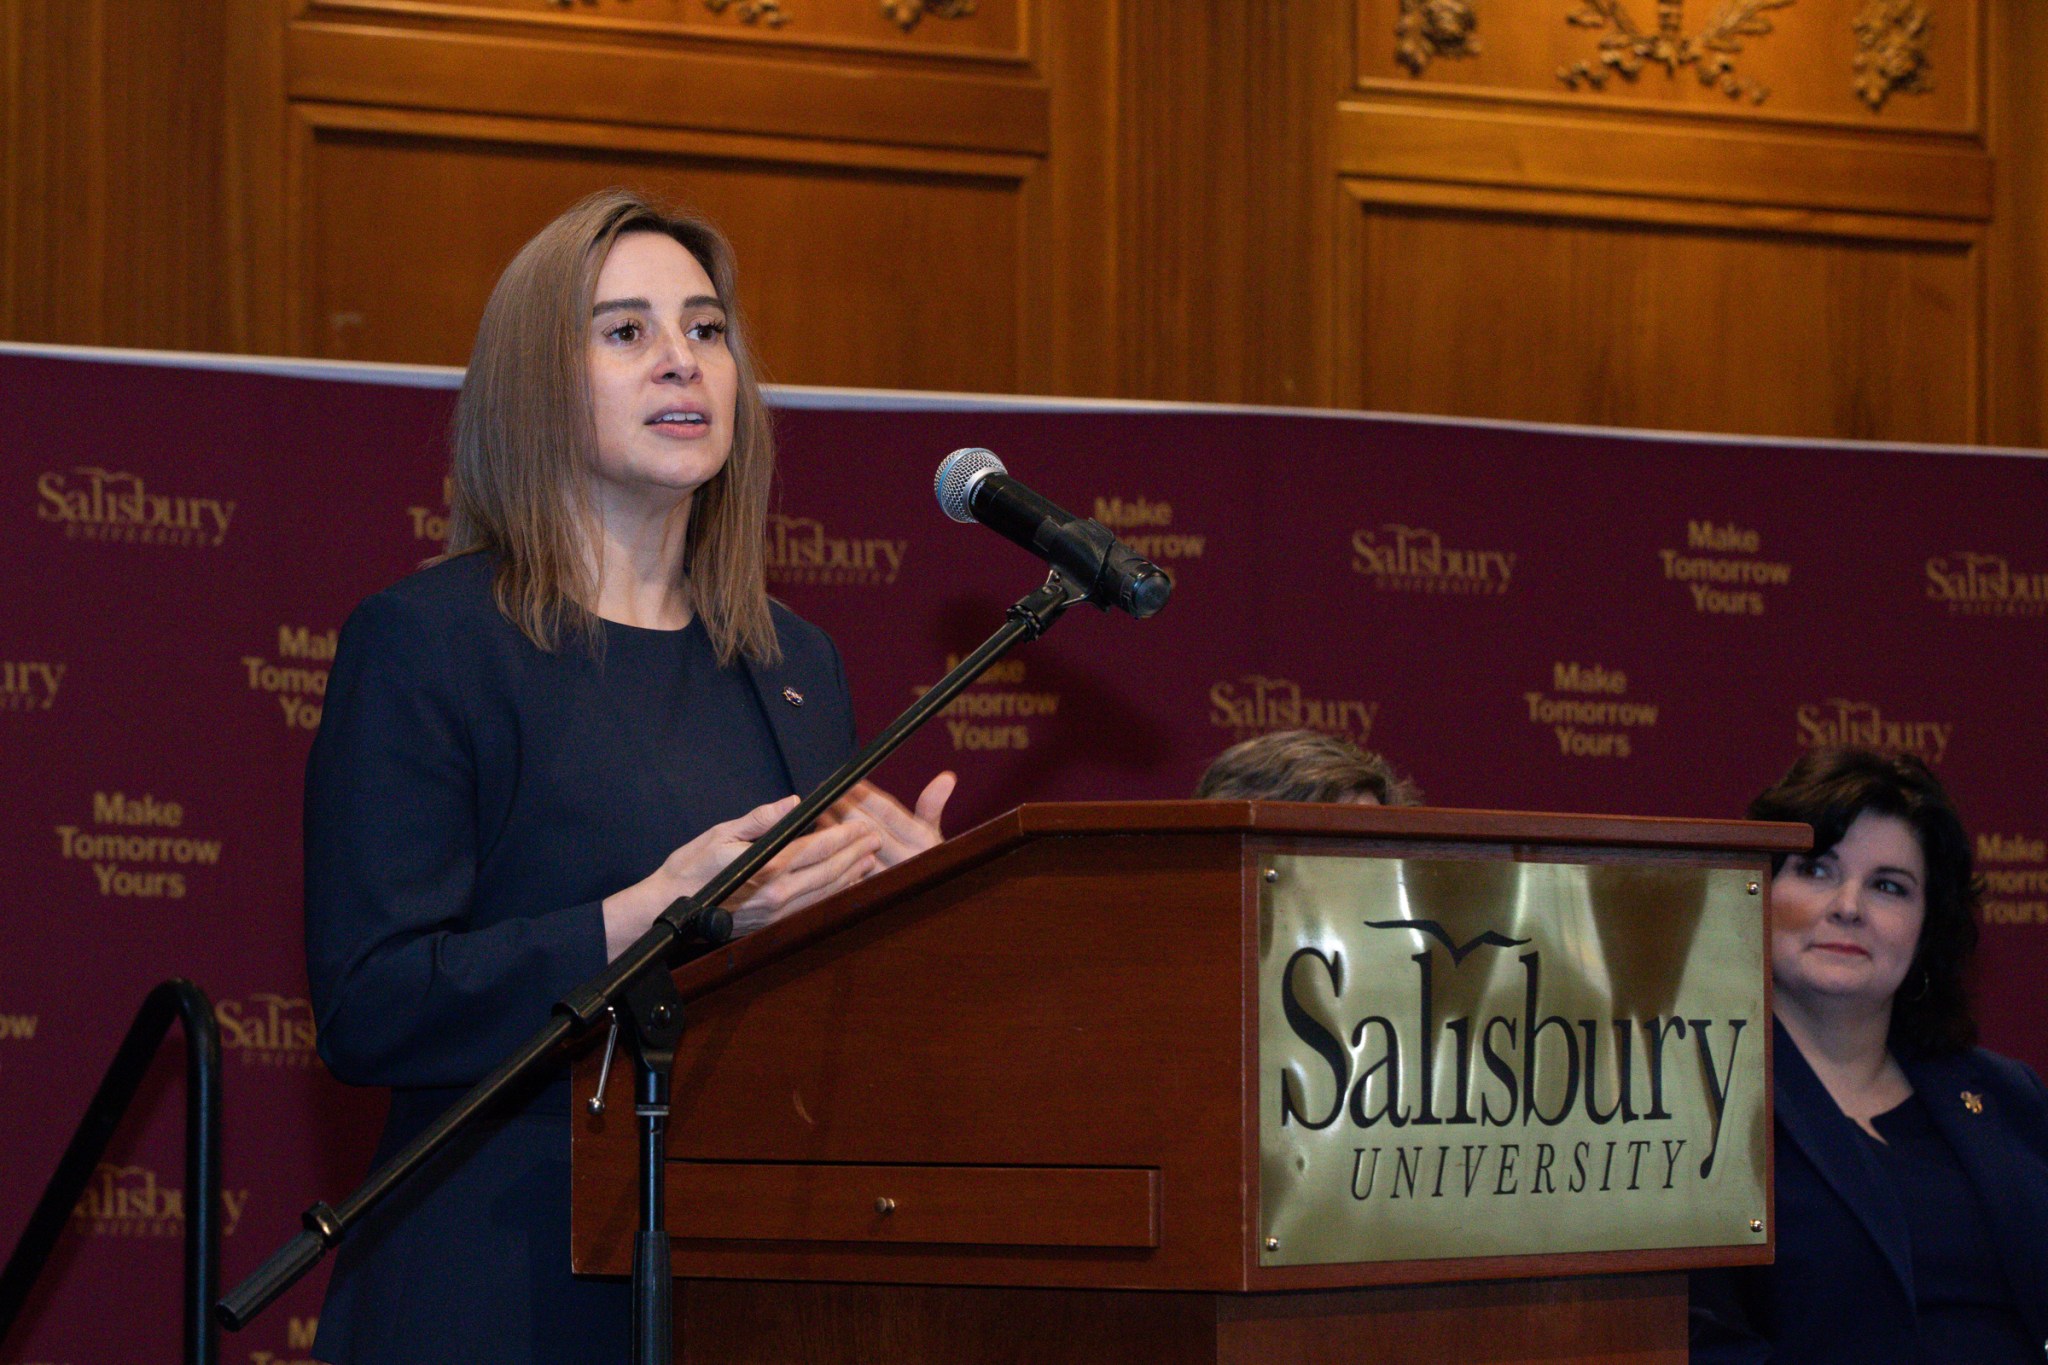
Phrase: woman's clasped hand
(863, 832)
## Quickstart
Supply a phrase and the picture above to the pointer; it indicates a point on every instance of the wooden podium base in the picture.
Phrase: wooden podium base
(1607, 1320)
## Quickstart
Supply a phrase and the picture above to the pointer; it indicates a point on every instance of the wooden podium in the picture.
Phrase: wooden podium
(1005, 1103)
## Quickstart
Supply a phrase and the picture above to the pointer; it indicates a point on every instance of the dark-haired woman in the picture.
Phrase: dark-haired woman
(530, 748)
(1912, 1168)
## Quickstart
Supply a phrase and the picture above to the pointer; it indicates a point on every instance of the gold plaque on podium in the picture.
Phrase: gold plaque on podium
(1466, 1058)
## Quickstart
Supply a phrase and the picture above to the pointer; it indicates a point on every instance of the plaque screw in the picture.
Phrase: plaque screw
(885, 1206)
(1272, 1244)
(1272, 874)
(1756, 1225)
(1754, 888)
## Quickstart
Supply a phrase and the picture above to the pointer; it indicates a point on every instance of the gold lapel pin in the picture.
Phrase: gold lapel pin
(1973, 1101)
(792, 696)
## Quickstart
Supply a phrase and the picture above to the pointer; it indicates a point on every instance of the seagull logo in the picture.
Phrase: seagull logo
(1490, 939)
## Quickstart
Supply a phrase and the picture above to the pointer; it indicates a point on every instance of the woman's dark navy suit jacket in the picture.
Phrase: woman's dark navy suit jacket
(1842, 1287)
(470, 802)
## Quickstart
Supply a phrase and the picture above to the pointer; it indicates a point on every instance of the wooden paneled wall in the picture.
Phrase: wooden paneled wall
(1788, 216)
(887, 181)
(111, 122)
(1645, 219)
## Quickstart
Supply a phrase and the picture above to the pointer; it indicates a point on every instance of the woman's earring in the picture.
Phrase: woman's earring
(1926, 984)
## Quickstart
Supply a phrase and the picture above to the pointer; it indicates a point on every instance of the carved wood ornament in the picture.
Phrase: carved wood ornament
(1428, 29)
(1627, 47)
(906, 14)
(769, 12)
(1892, 37)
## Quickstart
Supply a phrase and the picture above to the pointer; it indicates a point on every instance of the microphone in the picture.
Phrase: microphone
(972, 485)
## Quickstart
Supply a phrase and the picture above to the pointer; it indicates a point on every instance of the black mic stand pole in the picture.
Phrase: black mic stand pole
(636, 980)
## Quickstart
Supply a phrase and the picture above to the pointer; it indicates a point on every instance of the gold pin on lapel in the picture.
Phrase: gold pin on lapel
(792, 696)
(1973, 1101)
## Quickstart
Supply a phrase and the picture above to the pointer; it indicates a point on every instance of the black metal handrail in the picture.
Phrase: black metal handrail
(176, 999)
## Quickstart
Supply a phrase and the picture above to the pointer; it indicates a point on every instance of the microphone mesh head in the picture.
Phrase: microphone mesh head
(958, 473)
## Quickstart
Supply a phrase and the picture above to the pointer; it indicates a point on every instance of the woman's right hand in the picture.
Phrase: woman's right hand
(813, 867)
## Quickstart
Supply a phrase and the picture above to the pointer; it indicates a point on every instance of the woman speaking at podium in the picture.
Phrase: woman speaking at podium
(1912, 1168)
(530, 748)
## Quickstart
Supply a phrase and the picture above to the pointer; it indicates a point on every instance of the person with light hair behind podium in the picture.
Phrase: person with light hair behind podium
(1911, 1167)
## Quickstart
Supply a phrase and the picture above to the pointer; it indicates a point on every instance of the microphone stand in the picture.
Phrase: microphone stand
(637, 989)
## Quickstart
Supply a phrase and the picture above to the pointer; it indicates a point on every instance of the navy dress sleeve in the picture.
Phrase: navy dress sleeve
(407, 992)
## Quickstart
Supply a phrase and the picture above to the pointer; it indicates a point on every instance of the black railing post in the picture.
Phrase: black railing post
(203, 1209)
(174, 999)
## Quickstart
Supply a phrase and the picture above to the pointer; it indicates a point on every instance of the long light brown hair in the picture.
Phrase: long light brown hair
(525, 440)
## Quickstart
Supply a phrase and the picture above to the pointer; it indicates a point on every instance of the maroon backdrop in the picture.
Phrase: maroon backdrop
(1523, 618)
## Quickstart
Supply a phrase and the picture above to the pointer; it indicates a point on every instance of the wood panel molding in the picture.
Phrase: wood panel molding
(824, 262)
(1689, 160)
(463, 72)
(1763, 321)
(1701, 215)
(767, 149)
(972, 31)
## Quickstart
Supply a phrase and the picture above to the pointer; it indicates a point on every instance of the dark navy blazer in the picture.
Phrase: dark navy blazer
(470, 801)
(1842, 1287)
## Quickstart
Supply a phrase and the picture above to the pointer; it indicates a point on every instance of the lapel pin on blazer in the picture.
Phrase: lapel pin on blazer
(1973, 1101)
(792, 696)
